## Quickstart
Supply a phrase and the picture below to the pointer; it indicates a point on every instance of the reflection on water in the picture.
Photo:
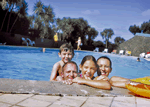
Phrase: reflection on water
(32, 64)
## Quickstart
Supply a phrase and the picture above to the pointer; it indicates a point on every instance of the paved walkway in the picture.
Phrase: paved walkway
(31, 100)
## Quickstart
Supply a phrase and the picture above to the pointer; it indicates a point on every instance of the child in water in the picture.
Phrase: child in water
(66, 54)
(88, 67)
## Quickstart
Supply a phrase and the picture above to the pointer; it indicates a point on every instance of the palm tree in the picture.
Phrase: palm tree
(44, 16)
(4, 5)
(22, 12)
(106, 35)
(14, 4)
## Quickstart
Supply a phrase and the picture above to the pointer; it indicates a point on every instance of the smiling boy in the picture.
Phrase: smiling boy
(66, 54)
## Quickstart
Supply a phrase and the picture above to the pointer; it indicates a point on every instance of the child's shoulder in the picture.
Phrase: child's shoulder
(59, 63)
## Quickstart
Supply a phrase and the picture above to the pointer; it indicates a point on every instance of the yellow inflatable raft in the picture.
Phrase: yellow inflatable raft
(140, 86)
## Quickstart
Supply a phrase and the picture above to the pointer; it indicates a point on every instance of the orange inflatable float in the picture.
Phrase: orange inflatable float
(140, 86)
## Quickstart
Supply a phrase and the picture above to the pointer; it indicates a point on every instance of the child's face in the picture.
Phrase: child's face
(70, 71)
(66, 55)
(88, 68)
(104, 66)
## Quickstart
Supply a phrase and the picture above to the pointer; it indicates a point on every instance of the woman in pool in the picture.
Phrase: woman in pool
(105, 67)
(88, 67)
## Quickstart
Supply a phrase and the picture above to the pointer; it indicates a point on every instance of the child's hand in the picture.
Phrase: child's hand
(59, 78)
(87, 78)
(103, 77)
(68, 82)
(132, 82)
(78, 80)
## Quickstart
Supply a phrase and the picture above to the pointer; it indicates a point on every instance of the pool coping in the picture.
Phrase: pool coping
(54, 88)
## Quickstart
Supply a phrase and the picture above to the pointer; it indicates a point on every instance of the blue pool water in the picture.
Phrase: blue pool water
(31, 64)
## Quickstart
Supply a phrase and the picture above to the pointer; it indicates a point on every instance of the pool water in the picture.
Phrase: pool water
(30, 63)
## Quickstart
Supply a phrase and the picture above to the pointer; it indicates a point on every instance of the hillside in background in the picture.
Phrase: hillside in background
(137, 45)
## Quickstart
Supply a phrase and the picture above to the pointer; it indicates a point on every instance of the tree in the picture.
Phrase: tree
(42, 19)
(10, 6)
(98, 44)
(134, 29)
(119, 40)
(106, 34)
(22, 12)
(73, 28)
(14, 5)
(145, 27)
(92, 33)
(4, 5)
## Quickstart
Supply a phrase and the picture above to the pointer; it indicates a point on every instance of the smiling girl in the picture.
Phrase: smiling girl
(88, 67)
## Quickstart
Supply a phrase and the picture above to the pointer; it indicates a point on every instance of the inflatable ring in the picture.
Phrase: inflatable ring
(145, 80)
(140, 86)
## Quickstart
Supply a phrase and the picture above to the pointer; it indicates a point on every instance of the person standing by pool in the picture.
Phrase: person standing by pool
(56, 40)
(88, 67)
(66, 53)
(69, 72)
(79, 43)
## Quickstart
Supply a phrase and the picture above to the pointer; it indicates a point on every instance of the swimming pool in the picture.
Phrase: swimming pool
(30, 63)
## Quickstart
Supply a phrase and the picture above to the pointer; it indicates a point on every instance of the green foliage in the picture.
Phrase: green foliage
(73, 28)
(21, 12)
(14, 21)
(106, 35)
(98, 44)
(92, 33)
(18, 7)
(146, 27)
(119, 40)
(134, 29)
(42, 20)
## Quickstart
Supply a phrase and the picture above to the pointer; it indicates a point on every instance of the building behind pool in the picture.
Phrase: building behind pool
(138, 44)
(16, 39)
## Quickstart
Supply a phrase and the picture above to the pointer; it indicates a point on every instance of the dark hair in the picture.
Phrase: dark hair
(105, 57)
(70, 62)
(88, 57)
(66, 47)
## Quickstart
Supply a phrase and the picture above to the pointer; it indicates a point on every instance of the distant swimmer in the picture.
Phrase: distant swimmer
(138, 59)
(43, 49)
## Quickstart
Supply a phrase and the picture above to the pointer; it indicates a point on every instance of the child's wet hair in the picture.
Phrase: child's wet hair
(105, 57)
(70, 62)
(66, 47)
(86, 58)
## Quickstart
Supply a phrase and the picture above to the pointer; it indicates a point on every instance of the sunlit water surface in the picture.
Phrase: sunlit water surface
(32, 64)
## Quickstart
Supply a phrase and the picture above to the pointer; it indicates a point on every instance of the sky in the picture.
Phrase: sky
(118, 15)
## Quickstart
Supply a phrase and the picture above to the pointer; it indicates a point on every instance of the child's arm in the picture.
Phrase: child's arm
(102, 77)
(118, 81)
(54, 71)
(93, 83)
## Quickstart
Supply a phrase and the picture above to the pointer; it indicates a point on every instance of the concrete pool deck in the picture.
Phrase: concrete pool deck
(30, 93)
